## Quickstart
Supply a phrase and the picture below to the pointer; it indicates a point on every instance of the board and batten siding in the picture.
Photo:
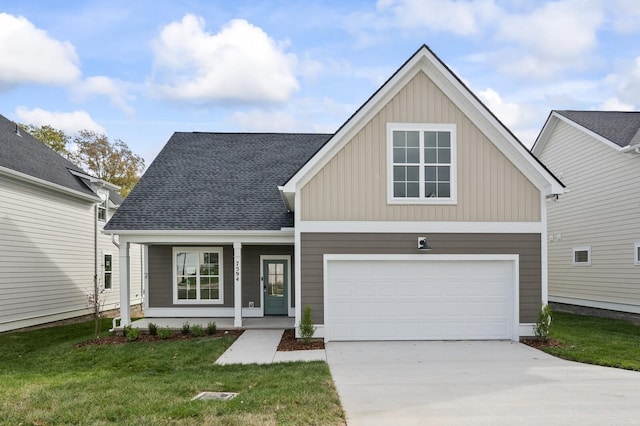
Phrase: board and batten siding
(600, 210)
(316, 245)
(352, 186)
(46, 255)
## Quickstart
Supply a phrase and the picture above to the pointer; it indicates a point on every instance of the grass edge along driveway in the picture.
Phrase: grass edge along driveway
(45, 379)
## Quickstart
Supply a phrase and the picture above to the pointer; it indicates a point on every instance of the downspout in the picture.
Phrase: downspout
(114, 322)
(96, 304)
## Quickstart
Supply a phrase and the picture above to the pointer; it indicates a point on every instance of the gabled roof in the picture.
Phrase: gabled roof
(617, 129)
(216, 181)
(24, 157)
(424, 60)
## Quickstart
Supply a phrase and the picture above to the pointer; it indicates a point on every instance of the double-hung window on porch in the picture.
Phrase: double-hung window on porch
(197, 275)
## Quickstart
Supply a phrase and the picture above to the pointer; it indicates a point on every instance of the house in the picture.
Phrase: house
(51, 247)
(422, 217)
(594, 230)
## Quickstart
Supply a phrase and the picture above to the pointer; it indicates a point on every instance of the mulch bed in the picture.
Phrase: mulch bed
(290, 343)
(145, 337)
(539, 344)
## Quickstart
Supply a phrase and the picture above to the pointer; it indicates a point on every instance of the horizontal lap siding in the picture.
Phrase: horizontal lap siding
(46, 254)
(316, 245)
(352, 186)
(161, 278)
(601, 210)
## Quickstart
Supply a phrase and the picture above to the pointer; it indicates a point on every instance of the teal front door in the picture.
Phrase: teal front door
(276, 281)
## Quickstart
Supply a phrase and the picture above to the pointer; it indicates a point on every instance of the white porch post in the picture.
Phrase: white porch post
(237, 284)
(125, 283)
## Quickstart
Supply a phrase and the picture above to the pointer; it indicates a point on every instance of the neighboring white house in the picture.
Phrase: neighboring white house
(594, 229)
(51, 245)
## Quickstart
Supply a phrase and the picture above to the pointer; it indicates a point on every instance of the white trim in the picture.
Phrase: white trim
(285, 236)
(44, 183)
(544, 246)
(573, 256)
(636, 253)
(289, 280)
(612, 306)
(174, 276)
(440, 227)
(297, 256)
(145, 278)
(515, 332)
(526, 329)
(453, 177)
(208, 312)
(318, 334)
(237, 284)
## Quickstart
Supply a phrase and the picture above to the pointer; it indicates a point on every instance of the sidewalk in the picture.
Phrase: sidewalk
(261, 347)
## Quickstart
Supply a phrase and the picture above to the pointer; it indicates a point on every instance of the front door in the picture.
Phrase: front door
(276, 281)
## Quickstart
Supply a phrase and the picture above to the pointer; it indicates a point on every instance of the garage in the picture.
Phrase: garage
(420, 297)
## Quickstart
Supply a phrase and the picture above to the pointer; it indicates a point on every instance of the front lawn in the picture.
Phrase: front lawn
(45, 379)
(594, 340)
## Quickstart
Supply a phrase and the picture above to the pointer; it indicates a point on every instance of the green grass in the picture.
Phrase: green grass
(46, 380)
(594, 340)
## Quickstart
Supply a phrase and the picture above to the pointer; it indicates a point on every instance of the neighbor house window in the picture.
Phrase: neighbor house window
(636, 253)
(197, 274)
(107, 271)
(421, 163)
(103, 206)
(582, 256)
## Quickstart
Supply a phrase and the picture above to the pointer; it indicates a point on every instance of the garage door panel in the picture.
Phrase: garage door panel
(415, 300)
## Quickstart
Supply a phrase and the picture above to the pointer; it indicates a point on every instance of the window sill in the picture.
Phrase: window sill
(422, 201)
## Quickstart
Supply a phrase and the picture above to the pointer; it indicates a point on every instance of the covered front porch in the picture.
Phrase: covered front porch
(264, 323)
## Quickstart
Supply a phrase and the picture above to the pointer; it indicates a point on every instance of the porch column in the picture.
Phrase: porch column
(125, 283)
(237, 284)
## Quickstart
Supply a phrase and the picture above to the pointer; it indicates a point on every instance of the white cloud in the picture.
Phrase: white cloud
(30, 55)
(69, 122)
(615, 104)
(115, 90)
(625, 84)
(457, 17)
(239, 63)
(625, 15)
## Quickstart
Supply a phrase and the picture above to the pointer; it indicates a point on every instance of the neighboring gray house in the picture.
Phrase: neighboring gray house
(594, 229)
(51, 215)
(422, 217)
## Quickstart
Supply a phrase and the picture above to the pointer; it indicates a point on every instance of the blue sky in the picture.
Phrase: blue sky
(140, 70)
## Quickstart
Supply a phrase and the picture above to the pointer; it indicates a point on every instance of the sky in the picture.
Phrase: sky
(140, 70)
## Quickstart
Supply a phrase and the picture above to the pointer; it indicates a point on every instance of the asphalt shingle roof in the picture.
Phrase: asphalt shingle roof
(217, 181)
(621, 128)
(25, 154)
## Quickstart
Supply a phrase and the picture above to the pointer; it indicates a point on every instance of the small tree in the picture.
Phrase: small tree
(543, 324)
(95, 300)
(307, 329)
(53, 138)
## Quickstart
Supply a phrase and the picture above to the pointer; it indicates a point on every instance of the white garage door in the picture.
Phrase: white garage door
(420, 297)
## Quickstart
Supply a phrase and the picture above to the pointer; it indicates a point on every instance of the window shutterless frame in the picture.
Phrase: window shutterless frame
(636, 253)
(421, 163)
(198, 275)
(581, 256)
(107, 270)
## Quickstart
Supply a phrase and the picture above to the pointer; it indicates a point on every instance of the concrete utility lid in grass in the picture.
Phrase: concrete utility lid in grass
(217, 396)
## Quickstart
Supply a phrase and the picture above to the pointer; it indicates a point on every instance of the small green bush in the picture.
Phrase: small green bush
(153, 329)
(211, 328)
(307, 329)
(186, 328)
(165, 332)
(131, 333)
(197, 330)
(543, 324)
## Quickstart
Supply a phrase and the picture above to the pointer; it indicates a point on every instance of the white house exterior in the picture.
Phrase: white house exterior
(51, 245)
(594, 229)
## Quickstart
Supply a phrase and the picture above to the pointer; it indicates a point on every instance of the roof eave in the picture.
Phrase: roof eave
(46, 184)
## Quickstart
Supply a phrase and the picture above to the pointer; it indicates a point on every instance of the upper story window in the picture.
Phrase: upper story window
(103, 206)
(582, 256)
(421, 163)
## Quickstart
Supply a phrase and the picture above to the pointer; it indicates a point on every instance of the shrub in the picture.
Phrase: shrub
(153, 329)
(211, 328)
(543, 324)
(186, 328)
(197, 330)
(306, 326)
(131, 333)
(165, 333)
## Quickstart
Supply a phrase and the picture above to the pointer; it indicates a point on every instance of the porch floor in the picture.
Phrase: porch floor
(265, 323)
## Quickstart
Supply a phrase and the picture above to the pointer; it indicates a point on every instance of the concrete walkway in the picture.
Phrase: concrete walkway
(261, 347)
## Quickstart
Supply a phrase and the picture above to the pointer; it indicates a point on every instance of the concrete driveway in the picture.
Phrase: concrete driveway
(477, 383)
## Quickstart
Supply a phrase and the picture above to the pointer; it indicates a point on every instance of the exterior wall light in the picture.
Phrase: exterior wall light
(423, 244)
